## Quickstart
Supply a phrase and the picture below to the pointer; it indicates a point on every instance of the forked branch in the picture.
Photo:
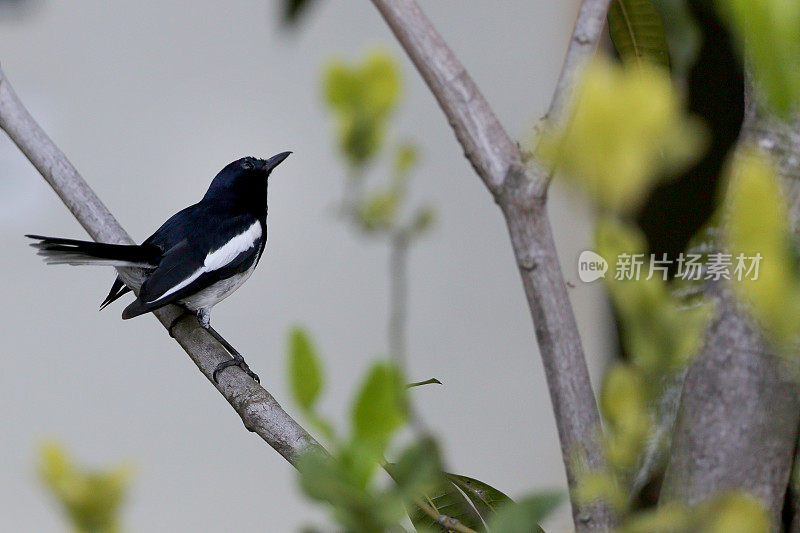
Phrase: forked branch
(520, 190)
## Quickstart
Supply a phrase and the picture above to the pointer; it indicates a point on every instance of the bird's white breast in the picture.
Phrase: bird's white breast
(213, 294)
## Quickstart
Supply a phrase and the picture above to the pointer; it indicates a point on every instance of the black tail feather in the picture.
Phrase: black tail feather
(74, 252)
(118, 289)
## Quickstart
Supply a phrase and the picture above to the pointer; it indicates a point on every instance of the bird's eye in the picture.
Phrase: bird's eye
(247, 165)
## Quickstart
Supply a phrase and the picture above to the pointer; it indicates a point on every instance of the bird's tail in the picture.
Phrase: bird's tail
(73, 252)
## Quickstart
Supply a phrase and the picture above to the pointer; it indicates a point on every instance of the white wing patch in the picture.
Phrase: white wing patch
(220, 257)
(228, 252)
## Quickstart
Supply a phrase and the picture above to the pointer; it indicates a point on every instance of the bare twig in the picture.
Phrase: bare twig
(521, 192)
(588, 26)
(257, 408)
(398, 295)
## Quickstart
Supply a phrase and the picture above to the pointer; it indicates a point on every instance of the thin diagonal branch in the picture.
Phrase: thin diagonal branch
(521, 191)
(257, 408)
(585, 35)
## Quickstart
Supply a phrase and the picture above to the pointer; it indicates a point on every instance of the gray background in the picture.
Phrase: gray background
(150, 100)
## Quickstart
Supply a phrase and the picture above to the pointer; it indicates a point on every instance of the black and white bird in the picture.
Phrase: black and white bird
(197, 258)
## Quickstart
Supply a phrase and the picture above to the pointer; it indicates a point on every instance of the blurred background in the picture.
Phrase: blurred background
(149, 101)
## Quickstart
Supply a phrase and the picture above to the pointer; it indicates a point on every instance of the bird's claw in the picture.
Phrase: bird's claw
(236, 361)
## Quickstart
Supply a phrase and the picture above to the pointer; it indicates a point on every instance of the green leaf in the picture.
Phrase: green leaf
(769, 33)
(379, 409)
(418, 469)
(524, 516)
(323, 478)
(479, 504)
(305, 373)
(430, 381)
(446, 499)
(638, 32)
(91, 498)
(484, 497)
(683, 35)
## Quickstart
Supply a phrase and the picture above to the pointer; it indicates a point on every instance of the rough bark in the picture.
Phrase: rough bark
(738, 420)
(259, 411)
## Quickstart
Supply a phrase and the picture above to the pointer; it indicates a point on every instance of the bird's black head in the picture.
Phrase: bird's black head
(245, 181)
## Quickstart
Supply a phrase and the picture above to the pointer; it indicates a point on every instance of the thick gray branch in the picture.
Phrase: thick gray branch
(738, 419)
(520, 191)
(257, 408)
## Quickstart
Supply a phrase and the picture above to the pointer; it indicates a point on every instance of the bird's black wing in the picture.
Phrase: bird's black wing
(201, 259)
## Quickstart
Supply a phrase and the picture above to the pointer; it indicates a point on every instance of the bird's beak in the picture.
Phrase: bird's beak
(275, 160)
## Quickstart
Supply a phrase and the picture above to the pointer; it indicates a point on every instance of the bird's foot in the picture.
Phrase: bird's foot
(237, 360)
(175, 323)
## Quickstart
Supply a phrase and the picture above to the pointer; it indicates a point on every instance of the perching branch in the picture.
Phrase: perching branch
(521, 192)
(257, 408)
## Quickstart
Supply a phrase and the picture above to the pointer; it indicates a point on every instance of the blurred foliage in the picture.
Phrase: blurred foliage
(661, 334)
(294, 10)
(682, 34)
(91, 499)
(727, 512)
(758, 224)
(625, 128)
(524, 516)
(637, 32)
(768, 32)
(348, 480)
(362, 98)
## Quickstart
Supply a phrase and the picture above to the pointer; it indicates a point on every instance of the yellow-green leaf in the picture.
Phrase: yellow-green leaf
(732, 512)
(638, 32)
(90, 498)
(379, 211)
(362, 96)
(769, 33)
(405, 158)
(758, 227)
(659, 331)
(625, 128)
